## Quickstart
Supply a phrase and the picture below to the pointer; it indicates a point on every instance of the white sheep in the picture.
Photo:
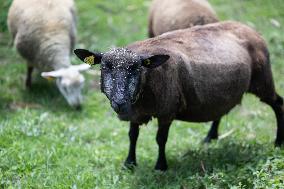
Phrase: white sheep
(44, 34)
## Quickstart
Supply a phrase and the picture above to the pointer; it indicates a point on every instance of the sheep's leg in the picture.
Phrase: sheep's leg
(29, 77)
(278, 108)
(161, 138)
(213, 132)
(133, 136)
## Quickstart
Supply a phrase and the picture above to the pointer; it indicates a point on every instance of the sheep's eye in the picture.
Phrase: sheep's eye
(133, 68)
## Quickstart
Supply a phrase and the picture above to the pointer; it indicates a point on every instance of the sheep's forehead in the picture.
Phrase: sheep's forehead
(121, 57)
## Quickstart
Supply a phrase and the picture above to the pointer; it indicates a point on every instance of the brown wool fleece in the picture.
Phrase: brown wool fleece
(209, 70)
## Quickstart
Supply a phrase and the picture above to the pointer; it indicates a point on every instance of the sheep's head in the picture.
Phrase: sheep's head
(121, 75)
(70, 83)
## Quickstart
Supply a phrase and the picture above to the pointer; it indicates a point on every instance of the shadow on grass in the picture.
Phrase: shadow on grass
(4, 105)
(223, 165)
(42, 95)
(46, 95)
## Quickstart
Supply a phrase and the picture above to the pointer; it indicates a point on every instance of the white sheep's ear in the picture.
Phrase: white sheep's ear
(89, 57)
(81, 67)
(154, 61)
(52, 75)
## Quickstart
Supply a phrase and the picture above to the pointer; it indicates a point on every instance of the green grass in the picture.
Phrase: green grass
(45, 144)
(4, 5)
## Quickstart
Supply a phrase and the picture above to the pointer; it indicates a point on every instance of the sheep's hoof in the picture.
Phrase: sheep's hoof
(208, 140)
(161, 167)
(28, 85)
(130, 164)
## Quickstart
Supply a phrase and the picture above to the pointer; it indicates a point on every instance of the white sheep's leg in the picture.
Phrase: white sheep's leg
(133, 134)
(213, 132)
(29, 77)
(161, 138)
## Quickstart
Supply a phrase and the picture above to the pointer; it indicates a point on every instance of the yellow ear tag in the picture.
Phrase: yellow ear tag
(90, 60)
(50, 79)
(147, 62)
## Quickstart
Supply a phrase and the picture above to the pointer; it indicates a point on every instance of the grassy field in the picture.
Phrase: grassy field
(45, 144)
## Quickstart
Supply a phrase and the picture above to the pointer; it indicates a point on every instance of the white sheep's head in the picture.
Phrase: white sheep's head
(70, 83)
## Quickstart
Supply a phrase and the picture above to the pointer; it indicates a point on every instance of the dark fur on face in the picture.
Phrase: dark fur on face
(120, 79)
(121, 71)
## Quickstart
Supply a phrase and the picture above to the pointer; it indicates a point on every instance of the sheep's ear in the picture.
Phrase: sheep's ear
(88, 57)
(50, 76)
(154, 61)
(81, 67)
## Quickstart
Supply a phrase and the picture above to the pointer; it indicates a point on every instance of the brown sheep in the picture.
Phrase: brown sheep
(197, 75)
(169, 15)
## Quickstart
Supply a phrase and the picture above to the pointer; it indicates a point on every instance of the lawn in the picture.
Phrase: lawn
(46, 144)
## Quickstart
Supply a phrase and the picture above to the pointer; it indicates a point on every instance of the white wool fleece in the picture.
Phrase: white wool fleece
(43, 31)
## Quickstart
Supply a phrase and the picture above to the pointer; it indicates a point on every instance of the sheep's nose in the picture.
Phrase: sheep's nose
(120, 108)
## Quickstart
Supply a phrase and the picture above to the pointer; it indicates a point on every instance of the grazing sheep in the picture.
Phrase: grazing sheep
(44, 34)
(169, 15)
(197, 75)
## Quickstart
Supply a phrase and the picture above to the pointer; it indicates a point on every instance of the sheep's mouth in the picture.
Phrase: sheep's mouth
(123, 110)
(124, 116)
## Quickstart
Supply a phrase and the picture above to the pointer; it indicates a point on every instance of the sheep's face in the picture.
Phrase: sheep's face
(70, 83)
(120, 79)
(121, 75)
(70, 86)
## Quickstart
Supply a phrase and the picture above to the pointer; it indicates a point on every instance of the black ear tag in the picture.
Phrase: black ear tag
(90, 60)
